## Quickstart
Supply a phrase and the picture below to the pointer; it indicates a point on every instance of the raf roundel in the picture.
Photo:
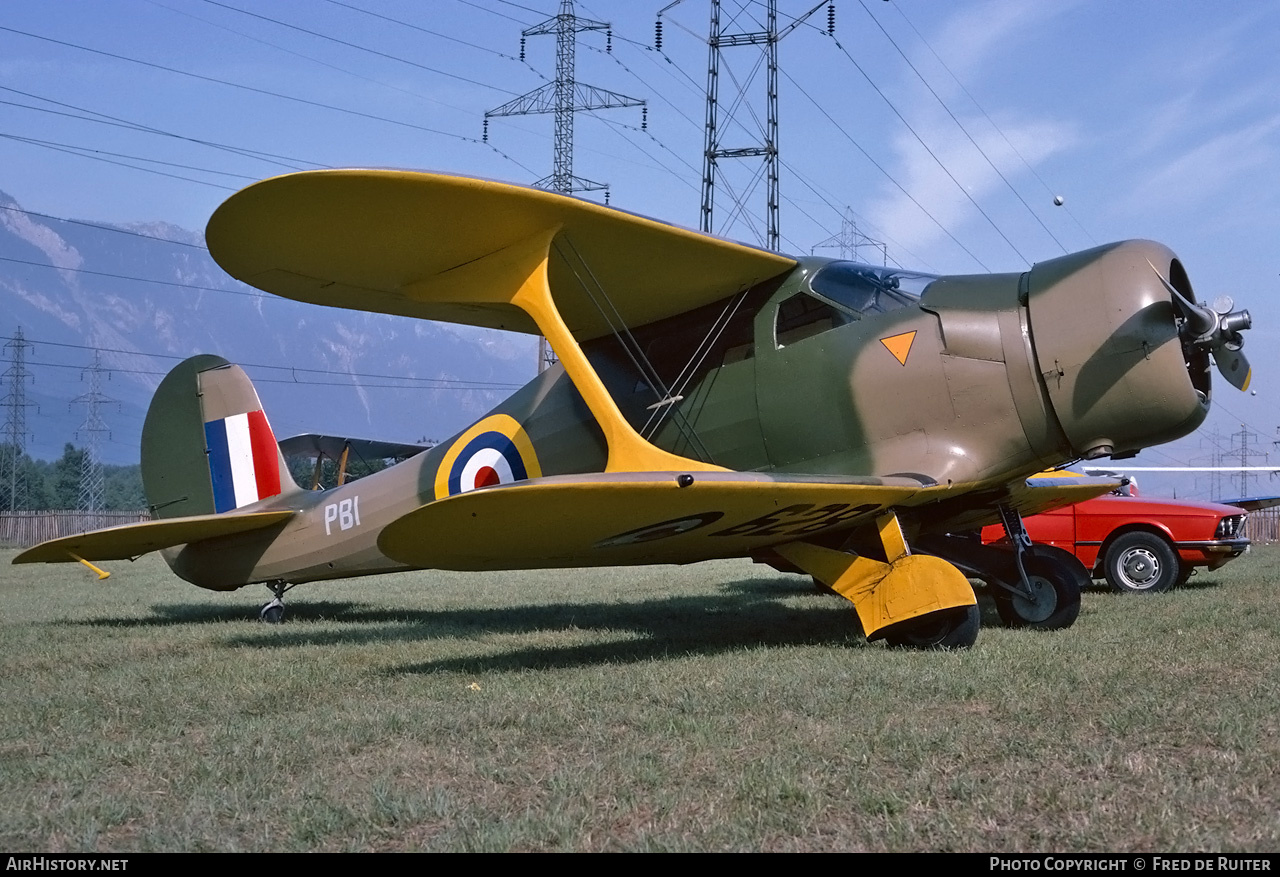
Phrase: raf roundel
(493, 452)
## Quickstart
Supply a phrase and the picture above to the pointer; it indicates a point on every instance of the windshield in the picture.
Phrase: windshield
(868, 290)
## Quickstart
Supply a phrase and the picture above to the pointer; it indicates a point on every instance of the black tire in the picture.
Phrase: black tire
(272, 613)
(1141, 563)
(1185, 572)
(946, 629)
(1057, 580)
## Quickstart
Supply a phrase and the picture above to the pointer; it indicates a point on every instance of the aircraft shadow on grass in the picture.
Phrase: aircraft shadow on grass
(751, 612)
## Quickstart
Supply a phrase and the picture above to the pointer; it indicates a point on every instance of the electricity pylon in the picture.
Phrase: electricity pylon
(15, 424)
(92, 432)
(764, 148)
(564, 97)
(850, 241)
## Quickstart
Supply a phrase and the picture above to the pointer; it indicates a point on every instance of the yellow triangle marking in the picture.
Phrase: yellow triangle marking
(899, 345)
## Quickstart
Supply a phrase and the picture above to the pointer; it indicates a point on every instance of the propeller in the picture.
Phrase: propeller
(1215, 328)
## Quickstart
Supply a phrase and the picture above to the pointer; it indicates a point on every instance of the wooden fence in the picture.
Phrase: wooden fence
(1263, 526)
(24, 529)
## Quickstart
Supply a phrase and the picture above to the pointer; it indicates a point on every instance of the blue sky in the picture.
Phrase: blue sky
(1151, 119)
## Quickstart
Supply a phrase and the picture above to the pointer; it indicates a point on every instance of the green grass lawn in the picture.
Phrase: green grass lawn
(715, 707)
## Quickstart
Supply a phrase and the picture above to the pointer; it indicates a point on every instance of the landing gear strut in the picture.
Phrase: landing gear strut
(1044, 593)
(273, 612)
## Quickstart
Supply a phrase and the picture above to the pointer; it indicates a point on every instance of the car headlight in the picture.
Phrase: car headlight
(1230, 527)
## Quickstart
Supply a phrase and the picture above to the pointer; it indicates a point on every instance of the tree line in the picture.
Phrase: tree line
(56, 485)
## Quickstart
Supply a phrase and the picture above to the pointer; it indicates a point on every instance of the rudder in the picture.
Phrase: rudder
(206, 444)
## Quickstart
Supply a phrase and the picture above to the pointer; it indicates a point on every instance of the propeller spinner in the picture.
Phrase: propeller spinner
(1216, 329)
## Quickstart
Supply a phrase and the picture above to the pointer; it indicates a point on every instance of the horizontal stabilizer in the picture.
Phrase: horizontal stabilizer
(627, 518)
(131, 540)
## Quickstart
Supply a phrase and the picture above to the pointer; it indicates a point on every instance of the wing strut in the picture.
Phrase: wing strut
(524, 268)
(631, 347)
(691, 367)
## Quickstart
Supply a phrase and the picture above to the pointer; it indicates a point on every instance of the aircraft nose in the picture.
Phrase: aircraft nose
(1118, 363)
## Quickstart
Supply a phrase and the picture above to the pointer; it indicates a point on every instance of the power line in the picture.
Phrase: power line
(90, 152)
(887, 175)
(110, 228)
(139, 279)
(963, 129)
(493, 11)
(117, 122)
(898, 8)
(438, 383)
(421, 29)
(931, 153)
(306, 57)
(357, 46)
(243, 87)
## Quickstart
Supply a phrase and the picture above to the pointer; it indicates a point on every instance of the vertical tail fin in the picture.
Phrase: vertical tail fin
(206, 444)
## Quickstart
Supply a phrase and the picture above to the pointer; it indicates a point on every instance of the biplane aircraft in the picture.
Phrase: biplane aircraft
(711, 400)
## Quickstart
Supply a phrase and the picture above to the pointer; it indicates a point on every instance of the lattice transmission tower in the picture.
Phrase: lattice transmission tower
(91, 434)
(850, 242)
(15, 405)
(1246, 451)
(765, 147)
(564, 97)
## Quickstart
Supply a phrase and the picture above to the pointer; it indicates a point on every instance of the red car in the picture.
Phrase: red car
(1137, 543)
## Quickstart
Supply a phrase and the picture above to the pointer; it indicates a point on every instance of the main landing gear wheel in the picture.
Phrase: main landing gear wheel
(1054, 600)
(946, 629)
(273, 612)
(1141, 563)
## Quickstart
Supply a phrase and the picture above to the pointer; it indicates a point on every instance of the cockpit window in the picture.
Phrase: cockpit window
(867, 290)
(802, 316)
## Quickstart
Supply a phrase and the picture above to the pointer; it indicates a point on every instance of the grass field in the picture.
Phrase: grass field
(714, 707)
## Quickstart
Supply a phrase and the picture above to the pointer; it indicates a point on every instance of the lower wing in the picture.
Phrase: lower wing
(633, 518)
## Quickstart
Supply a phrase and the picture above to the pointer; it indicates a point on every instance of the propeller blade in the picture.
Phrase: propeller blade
(1233, 365)
(1200, 320)
(1217, 330)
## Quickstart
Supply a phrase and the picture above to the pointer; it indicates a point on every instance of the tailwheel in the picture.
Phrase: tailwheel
(273, 612)
(1050, 597)
(955, 628)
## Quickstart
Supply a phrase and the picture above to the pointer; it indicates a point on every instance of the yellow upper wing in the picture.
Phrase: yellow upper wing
(407, 243)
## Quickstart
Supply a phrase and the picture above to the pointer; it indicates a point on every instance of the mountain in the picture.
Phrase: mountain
(149, 295)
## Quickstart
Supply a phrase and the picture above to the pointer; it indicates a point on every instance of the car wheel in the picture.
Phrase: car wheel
(1185, 572)
(1141, 563)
